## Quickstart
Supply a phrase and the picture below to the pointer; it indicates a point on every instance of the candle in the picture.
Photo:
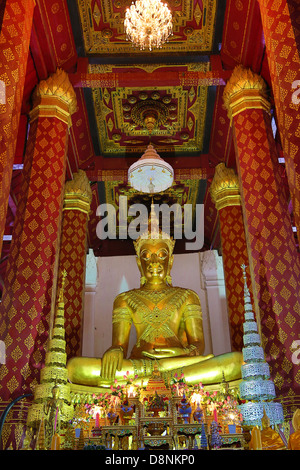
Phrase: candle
(256, 439)
(55, 422)
(55, 443)
(215, 415)
(97, 420)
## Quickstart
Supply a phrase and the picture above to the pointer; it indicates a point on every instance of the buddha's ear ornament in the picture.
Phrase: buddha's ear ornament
(169, 279)
(143, 281)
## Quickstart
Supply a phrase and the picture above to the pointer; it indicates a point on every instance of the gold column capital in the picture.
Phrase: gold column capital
(78, 193)
(245, 90)
(54, 96)
(224, 189)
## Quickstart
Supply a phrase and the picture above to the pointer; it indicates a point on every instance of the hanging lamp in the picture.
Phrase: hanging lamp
(150, 174)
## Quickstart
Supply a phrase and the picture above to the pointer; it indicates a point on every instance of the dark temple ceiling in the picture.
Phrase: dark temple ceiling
(183, 81)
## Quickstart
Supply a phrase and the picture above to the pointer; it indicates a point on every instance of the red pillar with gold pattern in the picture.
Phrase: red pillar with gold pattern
(73, 249)
(273, 256)
(226, 196)
(281, 25)
(14, 48)
(28, 300)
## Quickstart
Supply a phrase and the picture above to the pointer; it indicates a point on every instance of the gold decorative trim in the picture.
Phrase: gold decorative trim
(245, 90)
(51, 110)
(56, 86)
(78, 194)
(77, 204)
(224, 188)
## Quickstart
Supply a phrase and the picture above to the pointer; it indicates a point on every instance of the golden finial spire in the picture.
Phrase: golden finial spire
(55, 374)
(62, 288)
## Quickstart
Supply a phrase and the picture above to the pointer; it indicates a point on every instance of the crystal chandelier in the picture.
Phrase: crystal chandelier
(148, 23)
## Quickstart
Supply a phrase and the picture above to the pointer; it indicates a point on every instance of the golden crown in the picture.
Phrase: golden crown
(153, 235)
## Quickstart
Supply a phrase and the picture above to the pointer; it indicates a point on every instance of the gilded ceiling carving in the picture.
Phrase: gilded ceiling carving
(180, 110)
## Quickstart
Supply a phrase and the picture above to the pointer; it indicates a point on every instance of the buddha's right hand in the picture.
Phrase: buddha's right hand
(111, 362)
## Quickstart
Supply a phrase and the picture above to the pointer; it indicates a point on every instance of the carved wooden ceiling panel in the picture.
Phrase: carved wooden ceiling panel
(180, 114)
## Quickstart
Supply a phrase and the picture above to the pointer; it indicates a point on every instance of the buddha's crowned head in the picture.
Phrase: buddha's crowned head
(154, 250)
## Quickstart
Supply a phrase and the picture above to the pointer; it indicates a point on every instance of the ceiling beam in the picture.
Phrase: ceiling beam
(160, 77)
(116, 168)
(143, 79)
(122, 175)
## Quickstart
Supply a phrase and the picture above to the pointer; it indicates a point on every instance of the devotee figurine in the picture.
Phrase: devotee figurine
(52, 412)
(270, 439)
(185, 410)
(112, 416)
(126, 412)
(294, 439)
(198, 414)
(168, 323)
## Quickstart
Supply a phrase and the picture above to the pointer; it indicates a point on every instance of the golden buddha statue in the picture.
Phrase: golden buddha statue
(168, 323)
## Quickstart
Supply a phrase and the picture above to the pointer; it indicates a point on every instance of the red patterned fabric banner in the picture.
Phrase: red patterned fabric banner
(14, 40)
(281, 25)
(226, 196)
(30, 283)
(77, 200)
(274, 260)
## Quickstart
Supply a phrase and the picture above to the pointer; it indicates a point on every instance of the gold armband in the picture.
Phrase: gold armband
(121, 314)
(192, 311)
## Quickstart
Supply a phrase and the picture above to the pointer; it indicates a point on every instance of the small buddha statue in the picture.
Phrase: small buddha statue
(168, 323)
(294, 439)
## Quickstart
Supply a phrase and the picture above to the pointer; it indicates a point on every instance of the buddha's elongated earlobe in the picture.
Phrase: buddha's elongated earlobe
(168, 276)
(143, 279)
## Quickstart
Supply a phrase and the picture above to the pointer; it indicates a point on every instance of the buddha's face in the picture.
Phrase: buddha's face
(155, 261)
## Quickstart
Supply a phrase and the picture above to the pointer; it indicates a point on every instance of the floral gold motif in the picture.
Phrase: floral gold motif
(245, 90)
(224, 189)
(57, 85)
(78, 193)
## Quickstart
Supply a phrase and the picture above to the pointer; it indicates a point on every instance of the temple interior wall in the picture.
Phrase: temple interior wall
(108, 276)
